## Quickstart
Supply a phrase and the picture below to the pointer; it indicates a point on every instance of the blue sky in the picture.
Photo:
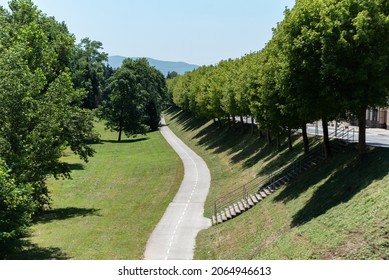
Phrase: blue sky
(195, 31)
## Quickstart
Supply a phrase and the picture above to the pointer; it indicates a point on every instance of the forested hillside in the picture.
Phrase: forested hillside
(164, 66)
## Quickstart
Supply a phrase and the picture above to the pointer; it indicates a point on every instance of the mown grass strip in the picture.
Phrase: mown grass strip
(112, 204)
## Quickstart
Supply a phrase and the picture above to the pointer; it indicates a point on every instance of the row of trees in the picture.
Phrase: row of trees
(327, 58)
(48, 86)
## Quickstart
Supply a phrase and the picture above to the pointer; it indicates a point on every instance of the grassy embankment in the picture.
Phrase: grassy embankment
(113, 203)
(339, 210)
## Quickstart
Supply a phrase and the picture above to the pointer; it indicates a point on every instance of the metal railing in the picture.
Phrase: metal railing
(342, 133)
(257, 184)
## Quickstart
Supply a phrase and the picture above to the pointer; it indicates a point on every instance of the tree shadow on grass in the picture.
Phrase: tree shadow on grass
(65, 213)
(76, 166)
(26, 250)
(126, 141)
(215, 139)
(353, 173)
(279, 158)
(188, 122)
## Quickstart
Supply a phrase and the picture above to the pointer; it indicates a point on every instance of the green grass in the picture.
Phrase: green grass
(112, 204)
(339, 210)
(233, 156)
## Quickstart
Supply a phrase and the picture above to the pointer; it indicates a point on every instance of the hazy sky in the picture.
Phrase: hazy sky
(194, 31)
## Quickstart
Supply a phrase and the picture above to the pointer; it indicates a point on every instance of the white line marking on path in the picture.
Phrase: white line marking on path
(175, 234)
(189, 200)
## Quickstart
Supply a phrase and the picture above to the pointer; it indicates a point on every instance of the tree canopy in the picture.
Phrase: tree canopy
(89, 70)
(136, 92)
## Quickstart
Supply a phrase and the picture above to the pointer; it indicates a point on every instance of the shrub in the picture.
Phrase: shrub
(16, 207)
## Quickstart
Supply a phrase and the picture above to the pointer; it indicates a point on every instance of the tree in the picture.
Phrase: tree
(171, 75)
(183, 96)
(240, 87)
(226, 74)
(88, 71)
(355, 55)
(40, 114)
(199, 88)
(300, 43)
(136, 91)
(215, 94)
(153, 86)
(170, 89)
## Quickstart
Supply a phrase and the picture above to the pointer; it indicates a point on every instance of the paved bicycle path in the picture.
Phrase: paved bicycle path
(175, 235)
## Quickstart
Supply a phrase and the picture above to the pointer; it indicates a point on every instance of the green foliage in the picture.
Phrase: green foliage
(171, 75)
(88, 71)
(135, 97)
(355, 58)
(16, 207)
(40, 111)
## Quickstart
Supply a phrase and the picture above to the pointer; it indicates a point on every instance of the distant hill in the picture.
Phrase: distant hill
(163, 66)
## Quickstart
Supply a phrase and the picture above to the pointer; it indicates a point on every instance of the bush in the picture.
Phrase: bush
(16, 207)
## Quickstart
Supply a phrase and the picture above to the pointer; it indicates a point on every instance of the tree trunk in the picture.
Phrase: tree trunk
(305, 138)
(120, 134)
(121, 124)
(269, 136)
(278, 140)
(220, 123)
(290, 139)
(326, 139)
(362, 131)
(252, 125)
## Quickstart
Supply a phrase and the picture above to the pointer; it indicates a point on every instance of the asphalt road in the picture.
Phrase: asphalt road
(374, 136)
(175, 235)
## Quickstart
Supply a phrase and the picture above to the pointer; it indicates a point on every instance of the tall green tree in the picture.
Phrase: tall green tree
(355, 38)
(227, 74)
(136, 91)
(88, 71)
(300, 44)
(153, 86)
(181, 94)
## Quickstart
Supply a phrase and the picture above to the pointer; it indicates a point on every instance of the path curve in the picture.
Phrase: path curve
(175, 235)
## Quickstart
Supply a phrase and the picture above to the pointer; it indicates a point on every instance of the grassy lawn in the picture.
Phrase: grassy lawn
(339, 210)
(112, 204)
